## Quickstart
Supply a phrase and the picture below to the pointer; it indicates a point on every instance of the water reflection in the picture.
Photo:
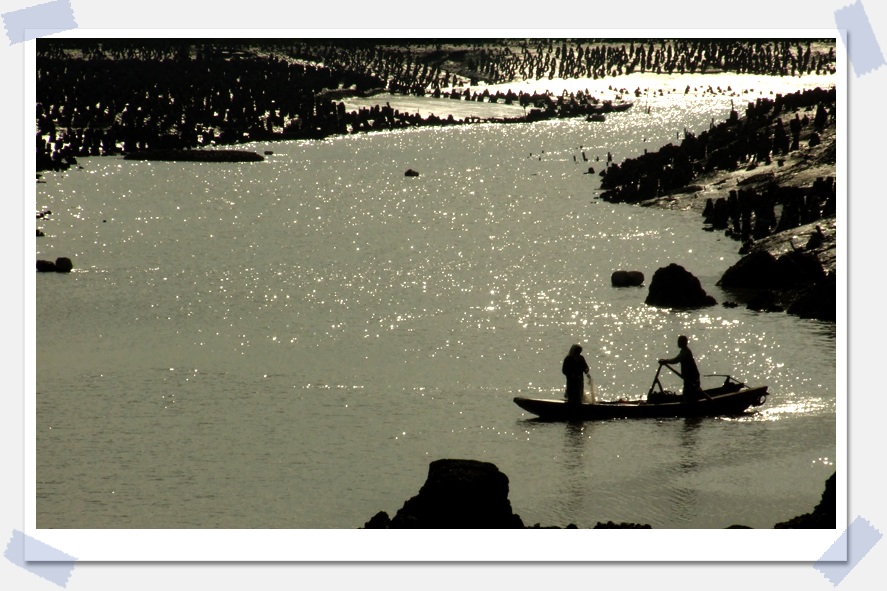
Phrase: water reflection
(574, 444)
(576, 479)
(689, 441)
(682, 498)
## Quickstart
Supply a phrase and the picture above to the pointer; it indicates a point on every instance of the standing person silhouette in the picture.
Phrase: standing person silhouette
(689, 371)
(574, 367)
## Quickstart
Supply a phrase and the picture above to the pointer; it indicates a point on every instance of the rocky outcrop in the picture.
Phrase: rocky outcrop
(626, 278)
(762, 270)
(818, 302)
(754, 270)
(795, 281)
(410, 172)
(675, 287)
(456, 494)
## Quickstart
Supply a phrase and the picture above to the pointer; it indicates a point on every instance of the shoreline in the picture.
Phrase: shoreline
(775, 196)
(215, 94)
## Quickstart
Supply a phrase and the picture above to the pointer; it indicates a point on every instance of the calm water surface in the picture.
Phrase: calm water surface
(288, 344)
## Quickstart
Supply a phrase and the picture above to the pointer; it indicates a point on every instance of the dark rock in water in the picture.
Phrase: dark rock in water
(457, 494)
(818, 302)
(626, 278)
(730, 304)
(63, 265)
(823, 515)
(45, 266)
(410, 172)
(755, 270)
(761, 270)
(39, 233)
(799, 268)
(675, 287)
(764, 301)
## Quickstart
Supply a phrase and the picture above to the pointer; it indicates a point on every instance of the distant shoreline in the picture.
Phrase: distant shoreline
(195, 156)
(112, 97)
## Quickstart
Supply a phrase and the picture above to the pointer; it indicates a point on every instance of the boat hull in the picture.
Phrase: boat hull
(726, 404)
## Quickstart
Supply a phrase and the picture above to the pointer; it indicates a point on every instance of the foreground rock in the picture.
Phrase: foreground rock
(465, 494)
(470, 494)
(675, 287)
(456, 494)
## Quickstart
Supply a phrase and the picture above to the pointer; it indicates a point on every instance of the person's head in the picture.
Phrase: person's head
(575, 350)
(682, 341)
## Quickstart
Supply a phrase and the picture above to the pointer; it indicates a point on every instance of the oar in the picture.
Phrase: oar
(655, 381)
(704, 393)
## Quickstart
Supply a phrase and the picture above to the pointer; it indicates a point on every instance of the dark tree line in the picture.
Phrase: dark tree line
(111, 96)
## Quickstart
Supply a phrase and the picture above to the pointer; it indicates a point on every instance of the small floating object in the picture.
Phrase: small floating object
(410, 172)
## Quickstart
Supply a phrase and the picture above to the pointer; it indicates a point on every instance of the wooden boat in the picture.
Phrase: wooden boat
(730, 399)
(607, 107)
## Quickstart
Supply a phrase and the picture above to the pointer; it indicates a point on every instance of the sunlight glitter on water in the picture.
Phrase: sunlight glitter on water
(324, 278)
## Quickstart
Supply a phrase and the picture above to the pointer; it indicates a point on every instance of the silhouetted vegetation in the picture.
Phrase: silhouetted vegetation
(98, 97)
(740, 142)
